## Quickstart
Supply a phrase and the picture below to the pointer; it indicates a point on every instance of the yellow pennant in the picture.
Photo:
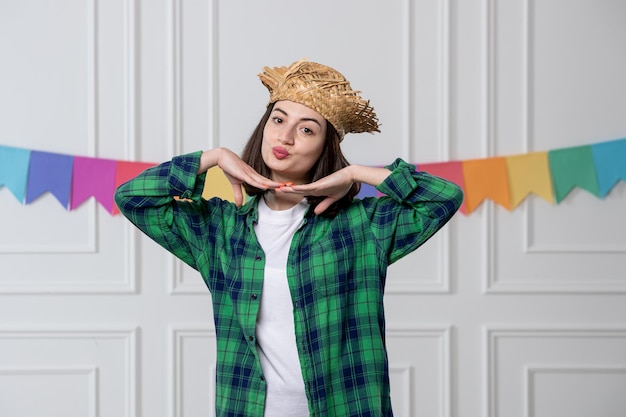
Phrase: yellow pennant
(529, 173)
(217, 185)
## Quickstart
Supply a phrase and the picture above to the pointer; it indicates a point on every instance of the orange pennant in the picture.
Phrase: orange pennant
(486, 178)
(529, 173)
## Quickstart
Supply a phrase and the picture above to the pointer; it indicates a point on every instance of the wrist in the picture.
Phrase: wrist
(369, 175)
(209, 159)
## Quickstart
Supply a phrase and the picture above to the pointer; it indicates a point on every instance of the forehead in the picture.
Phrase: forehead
(291, 108)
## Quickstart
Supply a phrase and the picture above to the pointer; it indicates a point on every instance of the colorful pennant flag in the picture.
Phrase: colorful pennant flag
(217, 185)
(93, 177)
(573, 167)
(529, 173)
(486, 178)
(609, 158)
(368, 191)
(49, 172)
(14, 170)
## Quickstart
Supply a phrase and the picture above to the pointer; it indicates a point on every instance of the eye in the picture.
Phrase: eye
(307, 131)
(277, 120)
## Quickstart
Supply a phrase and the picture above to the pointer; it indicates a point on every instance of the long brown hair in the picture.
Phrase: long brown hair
(331, 160)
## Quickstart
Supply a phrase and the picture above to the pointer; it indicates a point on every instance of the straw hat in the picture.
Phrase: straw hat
(324, 90)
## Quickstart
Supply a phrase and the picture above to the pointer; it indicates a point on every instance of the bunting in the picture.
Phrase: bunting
(505, 180)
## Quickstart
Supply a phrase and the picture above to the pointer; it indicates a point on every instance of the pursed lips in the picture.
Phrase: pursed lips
(280, 152)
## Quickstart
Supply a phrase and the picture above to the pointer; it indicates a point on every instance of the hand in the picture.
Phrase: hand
(238, 172)
(333, 187)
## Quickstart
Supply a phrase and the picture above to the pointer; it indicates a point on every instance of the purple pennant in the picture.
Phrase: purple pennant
(14, 170)
(93, 177)
(368, 191)
(49, 172)
(610, 162)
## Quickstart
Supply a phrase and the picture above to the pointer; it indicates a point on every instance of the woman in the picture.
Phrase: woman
(297, 273)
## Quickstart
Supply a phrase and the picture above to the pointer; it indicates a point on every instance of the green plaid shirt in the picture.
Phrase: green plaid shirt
(336, 270)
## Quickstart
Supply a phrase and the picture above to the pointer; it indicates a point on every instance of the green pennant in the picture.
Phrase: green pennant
(573, 167)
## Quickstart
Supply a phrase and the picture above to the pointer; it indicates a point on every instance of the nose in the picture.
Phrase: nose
(286, 136)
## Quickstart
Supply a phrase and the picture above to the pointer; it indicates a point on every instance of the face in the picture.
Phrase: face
(293, 140)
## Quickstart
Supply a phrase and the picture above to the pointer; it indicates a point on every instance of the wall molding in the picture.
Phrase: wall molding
(90, 245)
(177, 336)
(493, 334)
(128, 283)
(529, 101)
(405, 374)
(443, 335)
(533, 370)
(441, 283)
(128, 335)
(177, 284)
(90, 372)
(491, 283)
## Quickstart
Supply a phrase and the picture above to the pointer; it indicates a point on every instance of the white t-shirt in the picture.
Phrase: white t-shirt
(275, 331)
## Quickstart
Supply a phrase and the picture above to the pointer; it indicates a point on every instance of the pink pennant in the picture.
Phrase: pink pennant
(125, 171)
(93, 177)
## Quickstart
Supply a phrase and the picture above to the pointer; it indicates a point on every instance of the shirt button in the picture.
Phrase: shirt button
(253, 297)
(251, 338)
(297, 304)
(262, 378)
(258, 258)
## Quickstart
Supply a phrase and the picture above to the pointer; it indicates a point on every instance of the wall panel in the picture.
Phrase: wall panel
(516, 354)
(540, 85)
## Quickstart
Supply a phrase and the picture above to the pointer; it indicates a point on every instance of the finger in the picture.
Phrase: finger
(302, 187)
(306, 189)
(285, 189)
(271, 184)
(254, 179)
(248, 175)
(238, 194)
(260, 182)
(324, 205)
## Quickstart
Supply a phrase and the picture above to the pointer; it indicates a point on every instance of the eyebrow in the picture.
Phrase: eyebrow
(310, 119)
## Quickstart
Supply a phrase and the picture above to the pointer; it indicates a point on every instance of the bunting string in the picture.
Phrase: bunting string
(505, 180)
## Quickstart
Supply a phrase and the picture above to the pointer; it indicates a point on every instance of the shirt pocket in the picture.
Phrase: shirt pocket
(333, 265)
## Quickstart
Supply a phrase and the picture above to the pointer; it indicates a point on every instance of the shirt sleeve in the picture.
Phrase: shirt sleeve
(414, 207)
(160, 200)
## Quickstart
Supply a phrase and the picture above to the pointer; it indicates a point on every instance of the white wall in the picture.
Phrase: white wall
(502, 314)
